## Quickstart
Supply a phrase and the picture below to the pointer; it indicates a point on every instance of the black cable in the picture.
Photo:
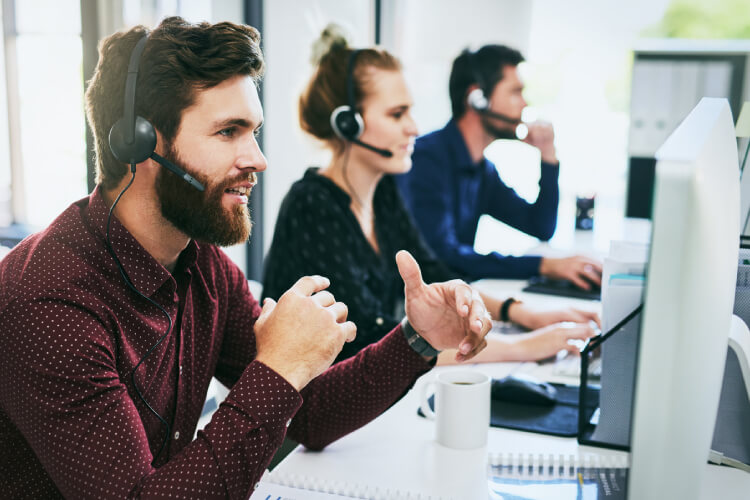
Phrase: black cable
(130, 285)
(354, 194)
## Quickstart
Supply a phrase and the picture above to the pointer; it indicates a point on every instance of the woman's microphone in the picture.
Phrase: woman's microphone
(382, 152)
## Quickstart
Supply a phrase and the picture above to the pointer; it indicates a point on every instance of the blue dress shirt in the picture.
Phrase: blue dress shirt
(447, 193)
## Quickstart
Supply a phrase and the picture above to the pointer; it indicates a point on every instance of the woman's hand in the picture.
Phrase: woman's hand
(533, 320)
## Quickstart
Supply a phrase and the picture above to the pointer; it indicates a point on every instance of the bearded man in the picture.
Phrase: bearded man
(114, 319)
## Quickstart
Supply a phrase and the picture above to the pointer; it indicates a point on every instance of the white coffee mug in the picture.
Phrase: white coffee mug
(462, 408)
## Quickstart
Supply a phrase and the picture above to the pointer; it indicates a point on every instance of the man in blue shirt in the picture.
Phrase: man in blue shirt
(451, 183)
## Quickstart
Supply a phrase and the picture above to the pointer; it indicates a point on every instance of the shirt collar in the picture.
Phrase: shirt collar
(458, 148)
(144, 271)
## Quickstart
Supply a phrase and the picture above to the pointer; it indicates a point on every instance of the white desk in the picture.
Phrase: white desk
(398, 451)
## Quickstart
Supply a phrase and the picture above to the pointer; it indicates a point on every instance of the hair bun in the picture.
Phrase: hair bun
(332, 37)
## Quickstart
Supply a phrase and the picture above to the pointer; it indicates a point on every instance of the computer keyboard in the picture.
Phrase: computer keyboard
(563, 288)
(570, 366)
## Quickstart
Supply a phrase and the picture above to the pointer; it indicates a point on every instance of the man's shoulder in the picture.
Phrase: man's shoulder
(435, 150)
(65, 255)
(433, 141)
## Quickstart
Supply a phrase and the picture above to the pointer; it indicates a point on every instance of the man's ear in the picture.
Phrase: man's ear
(161, 149)
(161, 144)
(151, 165)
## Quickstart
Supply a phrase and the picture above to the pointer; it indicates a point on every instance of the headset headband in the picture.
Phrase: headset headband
(475, 70)
(130, 84)
(350, 79)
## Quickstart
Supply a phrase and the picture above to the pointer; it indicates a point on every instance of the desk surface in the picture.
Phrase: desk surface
(398, 451)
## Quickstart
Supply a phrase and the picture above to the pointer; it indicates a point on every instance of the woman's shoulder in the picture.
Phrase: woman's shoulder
(312, 189)
(305, 194)
(313, 198)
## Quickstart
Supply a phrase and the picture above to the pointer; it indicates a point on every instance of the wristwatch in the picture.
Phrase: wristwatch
(505, 308)
(415, 340)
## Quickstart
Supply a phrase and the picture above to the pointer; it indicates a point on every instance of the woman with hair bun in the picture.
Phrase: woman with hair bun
(346, 221)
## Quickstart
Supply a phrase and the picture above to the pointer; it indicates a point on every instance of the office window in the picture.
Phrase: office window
(151, 12)
(43, 62)
(5, 206)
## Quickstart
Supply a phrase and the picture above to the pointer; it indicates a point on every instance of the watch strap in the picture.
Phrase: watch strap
(416, 341)
(505, 308)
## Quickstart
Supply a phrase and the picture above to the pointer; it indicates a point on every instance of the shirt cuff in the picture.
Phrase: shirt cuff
(266, 396)
(397, 340)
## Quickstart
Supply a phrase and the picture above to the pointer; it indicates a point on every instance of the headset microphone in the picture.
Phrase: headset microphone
(177, 171)
(382, 152)
(479, 103)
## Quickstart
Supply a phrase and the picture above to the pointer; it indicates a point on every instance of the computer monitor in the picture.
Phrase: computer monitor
(688, 304)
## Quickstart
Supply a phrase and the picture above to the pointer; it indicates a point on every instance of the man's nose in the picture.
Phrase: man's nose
(251, 157)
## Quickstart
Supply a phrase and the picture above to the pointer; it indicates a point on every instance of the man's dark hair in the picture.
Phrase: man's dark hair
(179, 59)
(484, 68)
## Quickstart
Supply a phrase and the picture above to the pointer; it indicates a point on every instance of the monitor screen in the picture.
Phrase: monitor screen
(688, 301)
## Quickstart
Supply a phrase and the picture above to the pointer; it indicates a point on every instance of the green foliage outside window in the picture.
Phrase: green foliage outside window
(704, 19)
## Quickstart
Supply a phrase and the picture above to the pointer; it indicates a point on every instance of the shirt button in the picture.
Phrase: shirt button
(289, 422)
(379, 321)
(257, 485)
(180, 369)
(177, 435)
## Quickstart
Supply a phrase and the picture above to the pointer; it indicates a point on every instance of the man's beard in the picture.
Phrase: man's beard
(201, 214)
(498, 132)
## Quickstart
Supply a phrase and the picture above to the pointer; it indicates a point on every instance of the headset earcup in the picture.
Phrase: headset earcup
(347, 124)
(144, 141)
(477, 100)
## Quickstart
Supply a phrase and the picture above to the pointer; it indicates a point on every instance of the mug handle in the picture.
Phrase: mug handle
(424, 405)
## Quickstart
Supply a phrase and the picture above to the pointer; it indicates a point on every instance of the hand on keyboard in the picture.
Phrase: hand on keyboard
(583, 272)
(548, 341)
(535, 319)
(562, 288)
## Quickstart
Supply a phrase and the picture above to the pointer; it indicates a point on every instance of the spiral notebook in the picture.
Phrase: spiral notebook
(561, 477)
(509, 477)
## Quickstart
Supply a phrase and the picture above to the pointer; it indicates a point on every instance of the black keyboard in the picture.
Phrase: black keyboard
(562, 288)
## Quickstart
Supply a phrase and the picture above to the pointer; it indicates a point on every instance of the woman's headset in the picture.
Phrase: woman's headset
(346, 121)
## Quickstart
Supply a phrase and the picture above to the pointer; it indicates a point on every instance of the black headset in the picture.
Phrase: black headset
(346, 121)
(477, 98)
(132, 139)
